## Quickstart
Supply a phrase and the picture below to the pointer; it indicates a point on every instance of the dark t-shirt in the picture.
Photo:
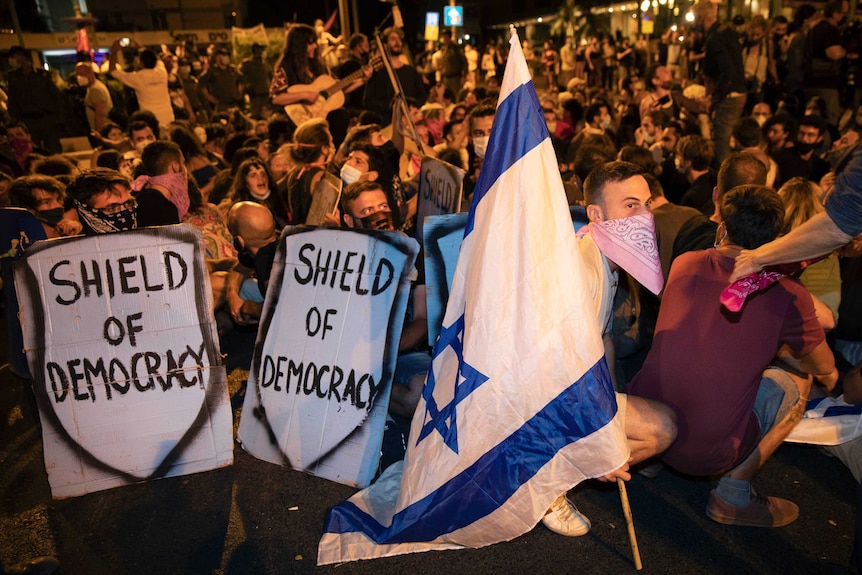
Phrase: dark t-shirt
(154, 209)
(823, 72)
(706, 363)
(790, 165)
(699, 195)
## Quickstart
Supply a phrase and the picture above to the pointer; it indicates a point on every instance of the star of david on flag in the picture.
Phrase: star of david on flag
(444, 419)
(518, 406)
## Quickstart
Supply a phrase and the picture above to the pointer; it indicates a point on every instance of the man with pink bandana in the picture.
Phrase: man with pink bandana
(621, 235)
(716, 367)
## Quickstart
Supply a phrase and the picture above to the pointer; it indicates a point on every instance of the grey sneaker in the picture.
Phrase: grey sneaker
(564, 518)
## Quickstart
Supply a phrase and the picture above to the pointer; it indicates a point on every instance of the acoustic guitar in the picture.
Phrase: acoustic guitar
(330, 95)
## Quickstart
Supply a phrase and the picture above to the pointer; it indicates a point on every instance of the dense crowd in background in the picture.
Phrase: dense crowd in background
(241, 149)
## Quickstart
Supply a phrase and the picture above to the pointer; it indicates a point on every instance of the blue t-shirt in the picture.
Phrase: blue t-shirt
(844, 205)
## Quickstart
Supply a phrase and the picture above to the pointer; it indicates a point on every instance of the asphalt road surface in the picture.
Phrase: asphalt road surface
(258, 518)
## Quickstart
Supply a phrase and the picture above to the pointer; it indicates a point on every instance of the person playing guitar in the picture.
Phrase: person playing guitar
(301, 80)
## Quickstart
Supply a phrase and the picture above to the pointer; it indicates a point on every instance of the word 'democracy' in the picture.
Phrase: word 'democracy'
(326, 351)
(124, 358)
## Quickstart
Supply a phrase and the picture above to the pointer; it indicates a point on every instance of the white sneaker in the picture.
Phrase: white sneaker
(564, 518)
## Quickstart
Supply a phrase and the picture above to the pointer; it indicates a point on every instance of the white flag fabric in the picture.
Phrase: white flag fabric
(828, 421)
(519, 406)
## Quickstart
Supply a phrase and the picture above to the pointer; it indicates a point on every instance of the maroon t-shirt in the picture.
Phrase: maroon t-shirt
(706, 362)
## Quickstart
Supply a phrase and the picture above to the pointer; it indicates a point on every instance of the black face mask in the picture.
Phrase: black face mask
(100, 223)
(51, 217)
(245, 258)
(378, 221)
(804, 148)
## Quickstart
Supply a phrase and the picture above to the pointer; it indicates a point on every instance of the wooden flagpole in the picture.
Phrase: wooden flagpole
(627, 511)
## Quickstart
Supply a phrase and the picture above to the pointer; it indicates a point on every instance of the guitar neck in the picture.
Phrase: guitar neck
(343, 83)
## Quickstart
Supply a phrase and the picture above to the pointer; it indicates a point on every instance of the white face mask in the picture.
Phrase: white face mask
(480, 146)
(349, 174)
(83, 81)
(605, 122)
(648, 138)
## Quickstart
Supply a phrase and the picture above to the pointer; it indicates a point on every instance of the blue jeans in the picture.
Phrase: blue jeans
(777, 394)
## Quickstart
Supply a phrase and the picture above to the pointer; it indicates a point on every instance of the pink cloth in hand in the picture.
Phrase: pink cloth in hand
(733, 297)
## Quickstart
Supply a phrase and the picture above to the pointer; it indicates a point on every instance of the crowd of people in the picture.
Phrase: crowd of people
(730, 135)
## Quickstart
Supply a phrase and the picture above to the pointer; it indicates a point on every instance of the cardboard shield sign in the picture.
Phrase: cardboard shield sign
(325, 355)
(126, 369)
(440, 191)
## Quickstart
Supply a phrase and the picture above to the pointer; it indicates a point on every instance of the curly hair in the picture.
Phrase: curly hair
(239, 190)
(21, 190)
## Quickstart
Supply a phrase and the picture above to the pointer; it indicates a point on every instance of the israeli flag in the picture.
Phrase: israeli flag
(828, 421)
(518, 407)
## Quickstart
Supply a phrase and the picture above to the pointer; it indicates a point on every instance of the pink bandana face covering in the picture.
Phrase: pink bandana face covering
(631, 244)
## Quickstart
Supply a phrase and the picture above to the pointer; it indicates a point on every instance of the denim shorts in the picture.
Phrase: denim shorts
(776, 396)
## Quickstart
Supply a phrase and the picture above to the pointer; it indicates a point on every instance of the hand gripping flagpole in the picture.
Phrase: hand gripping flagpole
(627, 511)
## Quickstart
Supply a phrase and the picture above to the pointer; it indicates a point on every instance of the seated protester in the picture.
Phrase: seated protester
(123, 162)
(648, 134)
(817, 106)
(162, 192)
(55, 166)
(21, 152)
(216, 138)
(280, 163)
(747, 137)
(588, 158)
(780, 131)
(694, 156)
(362, 134)
(313, 148)
(279, 131)
(737, 169)
(198, 163)
(480, 121)
(672, 181)
(366, 162)
(801, 161)
(451, 156)
(364, 205)
(802, 201)
(112, 132)
(223, 181)
(561, 133)
(256, 240)
(733, 409)
(253, 183)
(454, 138)
(219, 251)
(104, 201)
(616, 191)
(140, 135)
(44, 197)
(597, 121)
(399, 161)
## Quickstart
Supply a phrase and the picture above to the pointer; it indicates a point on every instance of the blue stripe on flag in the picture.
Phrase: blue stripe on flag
(583, 408)
(837, 410)
(813, 403)
(512, 136)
